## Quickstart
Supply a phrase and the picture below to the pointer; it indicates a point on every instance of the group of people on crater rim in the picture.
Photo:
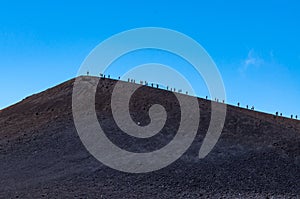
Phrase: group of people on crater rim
(292, 116)
(180, 90)
(247, 106)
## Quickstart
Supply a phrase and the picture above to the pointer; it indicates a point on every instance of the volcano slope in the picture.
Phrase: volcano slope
(41, 155)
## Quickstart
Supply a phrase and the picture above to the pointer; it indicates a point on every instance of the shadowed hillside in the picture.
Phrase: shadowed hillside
(41, 155)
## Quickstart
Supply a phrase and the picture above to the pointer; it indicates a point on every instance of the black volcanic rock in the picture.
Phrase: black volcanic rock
(41, 155)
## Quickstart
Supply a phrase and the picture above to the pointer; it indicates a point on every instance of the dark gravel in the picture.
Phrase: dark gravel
(41, 155)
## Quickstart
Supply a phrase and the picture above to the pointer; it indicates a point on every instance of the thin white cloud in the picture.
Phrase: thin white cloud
(253, 60)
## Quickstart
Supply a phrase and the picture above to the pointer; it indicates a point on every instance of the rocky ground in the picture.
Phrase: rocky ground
(41, 155)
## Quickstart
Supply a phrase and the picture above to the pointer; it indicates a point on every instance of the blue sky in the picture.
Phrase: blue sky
(255, 44)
